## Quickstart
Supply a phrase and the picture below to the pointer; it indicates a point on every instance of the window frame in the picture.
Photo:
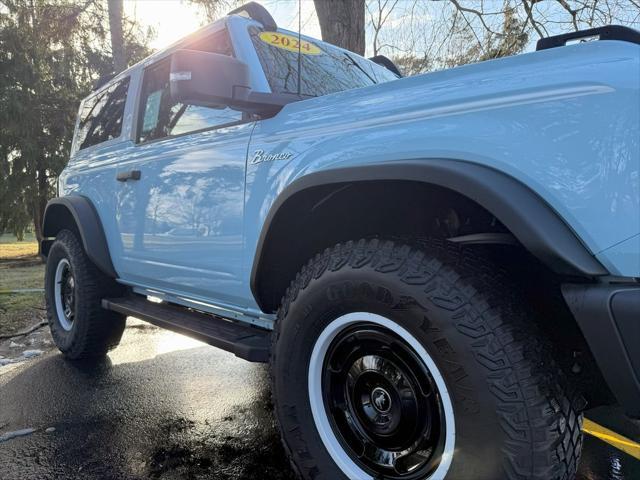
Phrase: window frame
(140, 106)
(75, 147)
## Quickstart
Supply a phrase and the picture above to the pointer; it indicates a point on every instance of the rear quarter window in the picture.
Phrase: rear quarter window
(101, 115)
(325, 69)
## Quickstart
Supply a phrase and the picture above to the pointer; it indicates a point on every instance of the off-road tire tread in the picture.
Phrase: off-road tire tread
(99, 330)
(539, 409)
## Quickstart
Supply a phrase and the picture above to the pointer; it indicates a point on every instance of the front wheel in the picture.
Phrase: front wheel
(416, 361)
(375, 392)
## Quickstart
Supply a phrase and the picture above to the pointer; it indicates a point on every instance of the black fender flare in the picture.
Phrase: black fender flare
(79, 210)
(531, 220)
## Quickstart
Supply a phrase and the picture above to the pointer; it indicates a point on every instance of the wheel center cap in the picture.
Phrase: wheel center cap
(381, 400)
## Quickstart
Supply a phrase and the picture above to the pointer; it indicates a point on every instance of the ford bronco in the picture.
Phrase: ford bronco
(442, 270)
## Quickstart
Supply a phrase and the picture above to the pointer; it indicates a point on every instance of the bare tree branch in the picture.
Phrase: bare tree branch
(477, 13)
(24, 332)
(572, 12)
(534, 24)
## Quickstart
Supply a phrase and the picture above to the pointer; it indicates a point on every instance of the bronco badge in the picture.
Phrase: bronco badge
(259, 156)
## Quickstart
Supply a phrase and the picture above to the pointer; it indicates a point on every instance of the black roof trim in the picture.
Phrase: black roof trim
(387, 63)
(609, 32)
(258, 13)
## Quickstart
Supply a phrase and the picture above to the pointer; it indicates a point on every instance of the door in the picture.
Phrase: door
(180, 218)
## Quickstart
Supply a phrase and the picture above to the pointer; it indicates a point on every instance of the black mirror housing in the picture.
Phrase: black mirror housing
(214, 80)
(208, 79)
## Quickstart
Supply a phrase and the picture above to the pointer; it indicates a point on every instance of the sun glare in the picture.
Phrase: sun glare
(171, 19)
(172, 342)
(175, 19)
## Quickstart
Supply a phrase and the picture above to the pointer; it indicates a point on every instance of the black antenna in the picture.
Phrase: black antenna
(299, 45)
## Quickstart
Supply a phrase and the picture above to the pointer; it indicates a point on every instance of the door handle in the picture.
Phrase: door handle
(130, 175)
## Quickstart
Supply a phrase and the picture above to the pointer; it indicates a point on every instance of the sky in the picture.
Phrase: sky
(174, 19)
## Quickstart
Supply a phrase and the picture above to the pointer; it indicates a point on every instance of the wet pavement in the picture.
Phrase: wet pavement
(168, 407)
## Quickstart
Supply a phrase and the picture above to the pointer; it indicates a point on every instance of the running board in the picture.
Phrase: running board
(245, 341)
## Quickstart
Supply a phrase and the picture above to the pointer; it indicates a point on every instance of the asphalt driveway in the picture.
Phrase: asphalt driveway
(165, 406)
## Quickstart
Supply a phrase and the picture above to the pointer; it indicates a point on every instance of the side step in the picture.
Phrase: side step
(245, 341)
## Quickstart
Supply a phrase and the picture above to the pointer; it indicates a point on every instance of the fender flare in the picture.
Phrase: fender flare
(532, 221)
(57, 215)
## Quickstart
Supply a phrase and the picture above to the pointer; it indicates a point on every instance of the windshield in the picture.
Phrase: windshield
(325, 69)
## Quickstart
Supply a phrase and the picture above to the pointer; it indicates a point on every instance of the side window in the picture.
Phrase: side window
(102, 114)
(160, 116)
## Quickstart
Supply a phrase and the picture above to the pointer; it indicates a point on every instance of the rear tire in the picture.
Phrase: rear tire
(74, 289)
(513, 413)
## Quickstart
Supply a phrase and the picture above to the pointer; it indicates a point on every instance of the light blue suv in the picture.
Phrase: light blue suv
(440, 269)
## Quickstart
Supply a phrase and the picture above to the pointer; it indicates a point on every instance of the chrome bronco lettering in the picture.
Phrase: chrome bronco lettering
(259, 156)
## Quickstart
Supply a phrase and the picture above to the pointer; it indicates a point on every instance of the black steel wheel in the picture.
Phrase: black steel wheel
(382, 402)
(64, 294)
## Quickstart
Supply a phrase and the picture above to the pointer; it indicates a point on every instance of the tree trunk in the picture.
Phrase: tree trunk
(40, 202)
(342, 23)
(35, 153)
(117, 38)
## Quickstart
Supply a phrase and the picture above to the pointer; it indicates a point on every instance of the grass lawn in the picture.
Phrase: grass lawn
(15, 277)
(20, 267)
(18, 250)
(11, 249)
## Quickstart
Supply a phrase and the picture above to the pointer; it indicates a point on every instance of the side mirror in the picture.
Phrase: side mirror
(208, 79)
(214, 80)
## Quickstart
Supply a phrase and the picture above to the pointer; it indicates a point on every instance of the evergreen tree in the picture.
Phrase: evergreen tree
(51, 53)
